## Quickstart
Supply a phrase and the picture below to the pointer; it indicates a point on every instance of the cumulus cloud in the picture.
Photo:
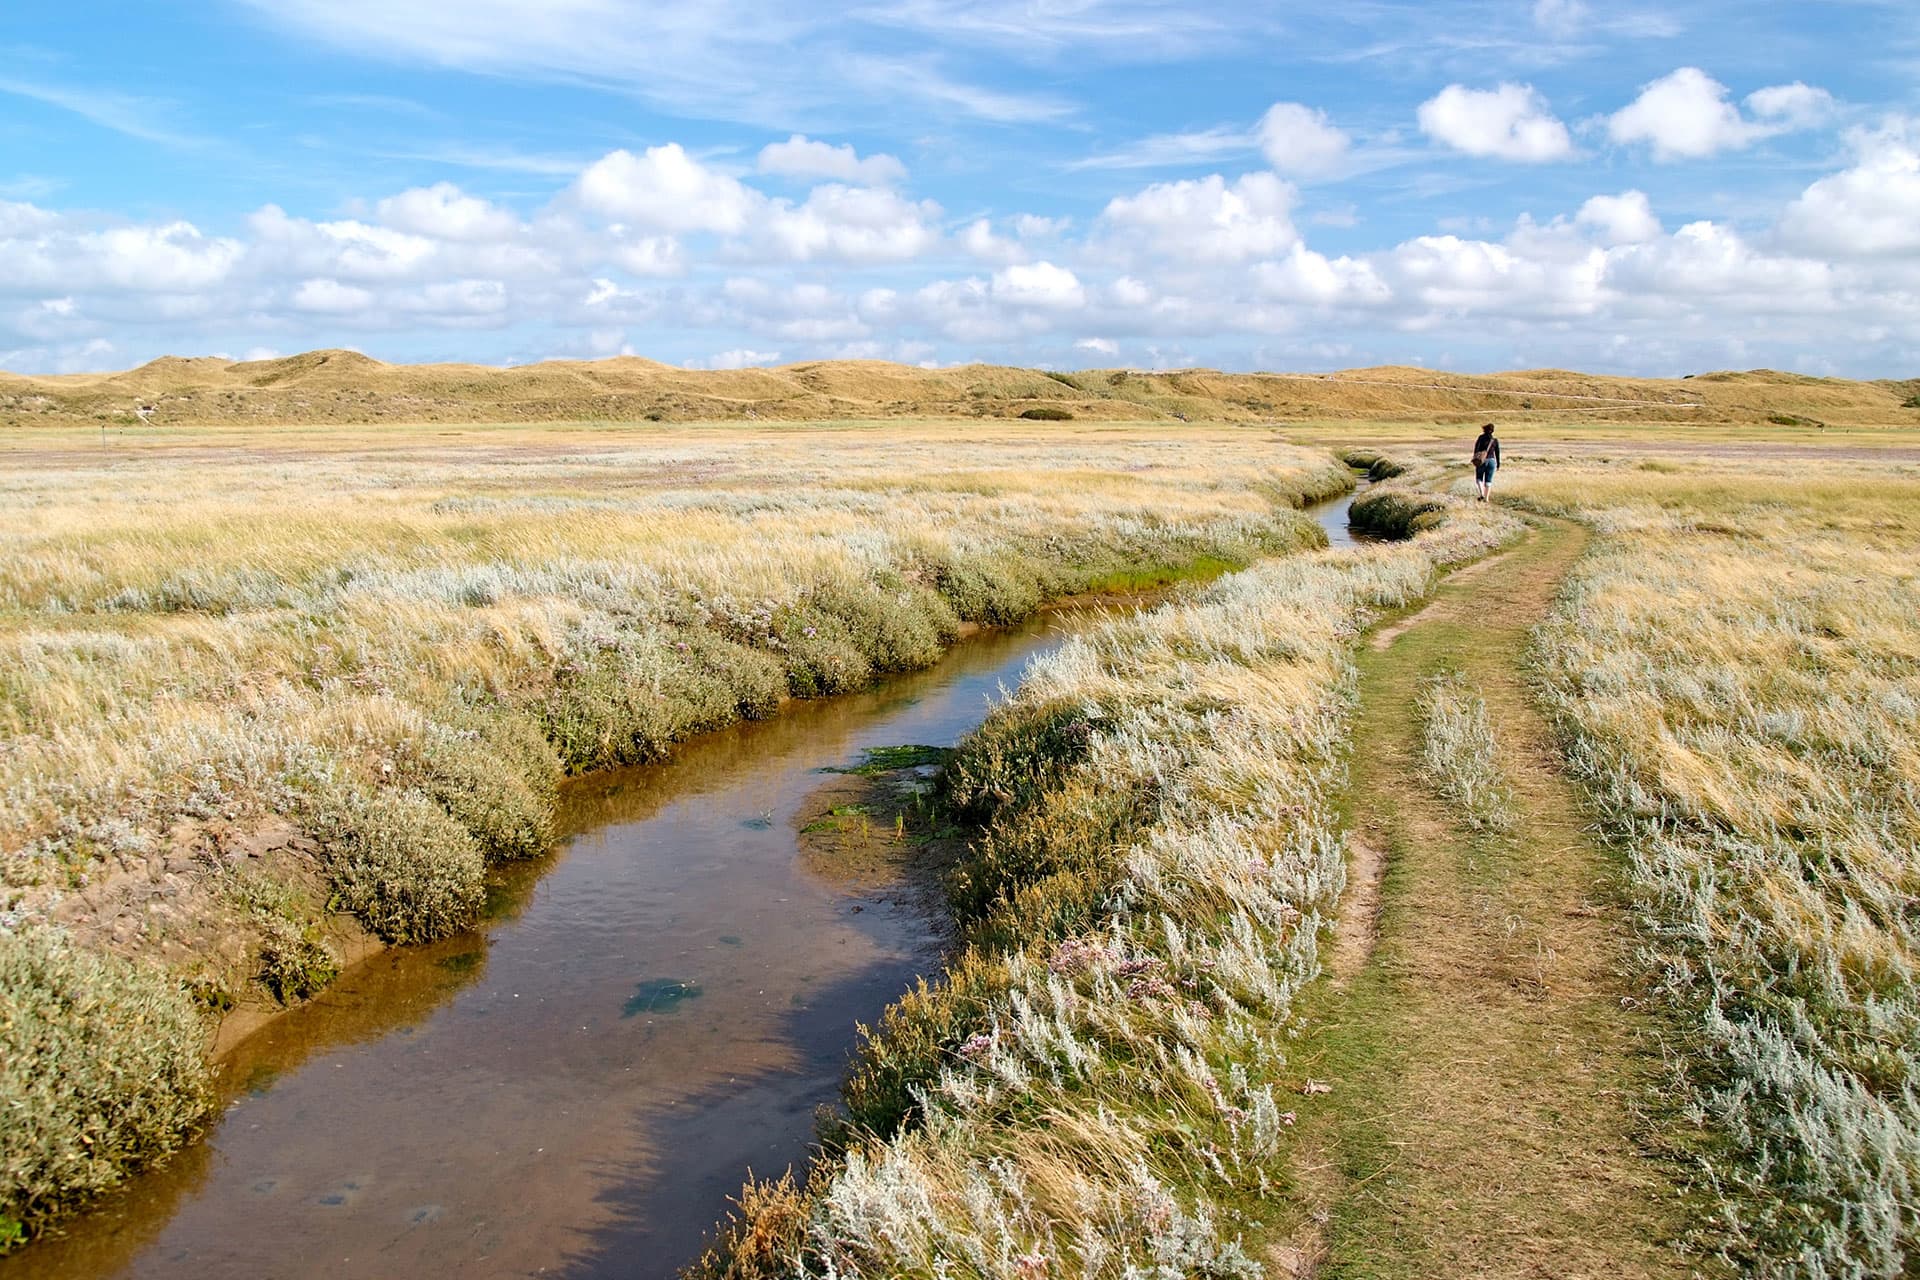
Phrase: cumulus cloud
(1687, 115)
(1295, 138)
(1511, 122)
(445, 211)
(1172, 269)
(1038, 284)
(330, 297)
(665, 189)
(851, 224)
(1623, 219)
(1306, 277)
(980, 241)
(1205, 220)
(803, 157)
(1869, 209)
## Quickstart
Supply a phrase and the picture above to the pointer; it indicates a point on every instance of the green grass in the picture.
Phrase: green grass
(877, 760)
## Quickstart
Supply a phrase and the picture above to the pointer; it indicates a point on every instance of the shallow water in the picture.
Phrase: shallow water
(1333, 516)
(575, 1088)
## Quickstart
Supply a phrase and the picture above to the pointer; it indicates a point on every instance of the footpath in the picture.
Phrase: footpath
(1484, 1056)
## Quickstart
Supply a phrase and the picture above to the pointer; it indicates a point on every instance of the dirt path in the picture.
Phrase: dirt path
(1484, 1069)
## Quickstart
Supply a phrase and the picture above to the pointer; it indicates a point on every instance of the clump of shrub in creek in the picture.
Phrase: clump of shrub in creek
(1047, 413)
(997, 589)
(625, 703)
(294, 964)
(1377, 465)
(1393, 512)
(401, 863)
(1098, 1071)
(496, 779)
(102, 1069)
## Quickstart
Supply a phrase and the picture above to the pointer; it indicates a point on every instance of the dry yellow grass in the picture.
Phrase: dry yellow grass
(182, 628)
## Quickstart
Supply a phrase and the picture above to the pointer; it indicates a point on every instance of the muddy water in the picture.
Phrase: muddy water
(577, 1087)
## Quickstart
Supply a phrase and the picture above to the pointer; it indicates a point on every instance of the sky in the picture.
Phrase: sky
(1477, 185)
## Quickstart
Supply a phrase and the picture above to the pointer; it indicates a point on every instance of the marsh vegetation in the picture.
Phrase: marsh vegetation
(359, 664)
(1738, 669)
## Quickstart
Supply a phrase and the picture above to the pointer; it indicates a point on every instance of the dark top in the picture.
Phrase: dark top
(1491, 444)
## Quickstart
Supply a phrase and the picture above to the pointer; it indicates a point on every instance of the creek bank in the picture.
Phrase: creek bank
(647, 1013)
(447, 794)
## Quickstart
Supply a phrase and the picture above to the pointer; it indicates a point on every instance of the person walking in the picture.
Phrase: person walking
(1486, 461)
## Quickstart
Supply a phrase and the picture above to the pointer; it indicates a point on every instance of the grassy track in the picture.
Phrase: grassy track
(1485, 1073)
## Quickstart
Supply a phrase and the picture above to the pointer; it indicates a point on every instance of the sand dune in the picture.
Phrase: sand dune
(347, 387)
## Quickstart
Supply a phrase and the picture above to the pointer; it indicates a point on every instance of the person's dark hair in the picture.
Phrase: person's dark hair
(1487, 427)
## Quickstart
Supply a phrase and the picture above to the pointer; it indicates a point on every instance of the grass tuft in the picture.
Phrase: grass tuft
(1458, 753)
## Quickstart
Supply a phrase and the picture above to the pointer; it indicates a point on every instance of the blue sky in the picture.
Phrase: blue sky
(1469, 184)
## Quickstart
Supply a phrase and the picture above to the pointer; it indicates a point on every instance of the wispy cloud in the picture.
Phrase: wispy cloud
(122, 113)
(30, 186)
(382, 103)
(1170, 150)
(921, 78)
(773, 63)
(1120, 30)
(494, 159)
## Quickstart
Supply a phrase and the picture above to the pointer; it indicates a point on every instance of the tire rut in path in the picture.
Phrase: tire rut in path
(1485, 1069)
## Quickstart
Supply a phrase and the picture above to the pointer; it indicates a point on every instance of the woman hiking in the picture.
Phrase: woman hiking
(1486, 461)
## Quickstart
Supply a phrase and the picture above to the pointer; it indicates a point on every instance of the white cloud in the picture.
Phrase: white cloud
(1870, 210)
(1298, 139)
(1206, 219)
(41, 252)
(1029, 226)
(851, 224)
(330, 297)
(445, 211)
(979, 240)
(1445, 277)
(665, 189)
(1687, 115)
(650, 256)
(347, 248)
(1306, 277)
(1560, 17)
(1623, 219)
(1512, 122)
(737, 358)
(1197, 269)
(1038, 284)
(803, 157)
(1166, 150)
(1794, 106)
(1704, 260)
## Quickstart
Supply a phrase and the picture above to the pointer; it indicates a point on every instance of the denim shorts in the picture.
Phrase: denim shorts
(1483, 471)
